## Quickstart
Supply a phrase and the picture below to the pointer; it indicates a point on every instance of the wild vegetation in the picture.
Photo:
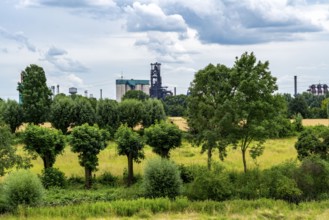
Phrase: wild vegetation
(269, 165)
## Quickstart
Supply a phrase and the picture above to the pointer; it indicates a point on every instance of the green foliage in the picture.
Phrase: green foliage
(107, 115)
(88, 141)
(186, 173)
(83, 111)
(298, 105)
(162, 179)
(53, 177)
(13, 115)
(108, 179)
(35, 94)
(176, 105)
(163, 137)
(129, 143)
(131, 112)
(154, 111)
(210, 185)
(22, 187)
(135, 94)
(8, 157)
(311, 142)
(46, 142)
(62, 112)
(313, 178)
(298, 122)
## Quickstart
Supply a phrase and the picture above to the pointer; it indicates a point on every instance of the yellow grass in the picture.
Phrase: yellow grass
(276, 151)
(314, 122)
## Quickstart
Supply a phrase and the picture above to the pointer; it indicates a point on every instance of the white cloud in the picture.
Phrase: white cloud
(150, 17)
(19, 37)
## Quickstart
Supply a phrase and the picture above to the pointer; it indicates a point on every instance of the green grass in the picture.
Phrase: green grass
(180, 208)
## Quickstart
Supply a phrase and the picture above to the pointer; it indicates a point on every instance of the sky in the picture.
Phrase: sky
(88, 44)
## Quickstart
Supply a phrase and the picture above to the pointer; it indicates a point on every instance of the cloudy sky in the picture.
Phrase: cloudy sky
(90, 43)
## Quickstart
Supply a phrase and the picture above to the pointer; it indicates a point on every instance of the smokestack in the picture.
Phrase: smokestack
(295, 80)
(101, 94)
(174, 91)
(86, 93)
(57, 89)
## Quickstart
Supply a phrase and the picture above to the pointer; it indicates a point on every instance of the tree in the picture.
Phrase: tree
(163, 137)
(88, 141)
(176, 105)
(131, 112)
(210, 112)
(130, 144)
(255, 106)
(48, 143)
(62, 112)
(313, 143)
(83, 112)
(107, 114)
(298, 105)
(135, 94)
(8, 156)
(13, 115)
(36, 96)
(154, 111)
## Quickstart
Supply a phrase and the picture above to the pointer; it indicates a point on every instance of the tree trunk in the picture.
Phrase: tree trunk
(88, 181)
(46, 162)
(130, 169)
(244, 160)
(209, 157)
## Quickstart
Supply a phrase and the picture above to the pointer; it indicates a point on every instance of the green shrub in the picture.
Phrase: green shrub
(108, 179)
(313, 177)
(209, 185)
(185, 173)
(75, 180)
(22, 188)
(53, 177)
(162, 179)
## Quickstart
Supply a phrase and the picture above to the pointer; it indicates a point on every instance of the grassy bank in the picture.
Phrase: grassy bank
(180, 208)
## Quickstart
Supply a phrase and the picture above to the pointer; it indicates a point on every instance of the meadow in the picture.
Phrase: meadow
(119, 202)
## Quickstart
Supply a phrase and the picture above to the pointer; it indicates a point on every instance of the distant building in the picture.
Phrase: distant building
(124, 85)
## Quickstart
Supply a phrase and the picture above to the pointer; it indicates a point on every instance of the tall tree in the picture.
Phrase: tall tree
(107, 114)
(48, 143)
(255, 106)
(129, 144)
(88, 141)
(35, 94)
(154, 111)
(131, 112)
(163, 137)
(62, 112)
(13, 115)
(210, 112)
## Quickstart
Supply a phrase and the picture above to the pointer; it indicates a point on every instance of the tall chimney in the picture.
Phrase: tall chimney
(101, 94)
(295, 81)
(57, 89)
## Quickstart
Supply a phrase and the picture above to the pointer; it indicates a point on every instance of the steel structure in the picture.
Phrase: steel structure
(319, 89)
(157, 90)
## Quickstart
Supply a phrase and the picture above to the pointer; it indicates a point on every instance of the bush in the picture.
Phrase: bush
(162, 179)
(185, 173)
(22, 188)
(313, 177)
(209, 185)
(108, 179)
(53, 177)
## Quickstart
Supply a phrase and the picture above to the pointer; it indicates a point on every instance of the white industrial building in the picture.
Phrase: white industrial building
(124, 85)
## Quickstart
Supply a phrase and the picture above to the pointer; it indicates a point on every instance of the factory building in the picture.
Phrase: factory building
(124, 85)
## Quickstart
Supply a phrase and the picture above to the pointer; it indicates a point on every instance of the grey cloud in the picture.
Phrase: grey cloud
(56, 56)
(4, 50)
(165, 48)
(18, 37)
(150, 17)
(242, 23)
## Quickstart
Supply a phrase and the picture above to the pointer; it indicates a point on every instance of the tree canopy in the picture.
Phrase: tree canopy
(233, 105)
(131, 112)
(154, 111)
(35, 94)
(135, 94)
(88, 141)
(48, 143)
(13, 115)
(163, 137)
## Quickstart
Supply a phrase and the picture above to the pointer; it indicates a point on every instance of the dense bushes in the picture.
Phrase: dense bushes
(22, 188)
(53, 177)
(162, 179)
